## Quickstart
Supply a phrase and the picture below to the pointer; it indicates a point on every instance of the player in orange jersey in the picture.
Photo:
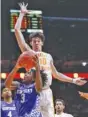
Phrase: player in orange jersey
(36, 40)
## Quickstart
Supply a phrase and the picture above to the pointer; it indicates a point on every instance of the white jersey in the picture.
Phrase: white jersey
(64, 115)
(44, 61)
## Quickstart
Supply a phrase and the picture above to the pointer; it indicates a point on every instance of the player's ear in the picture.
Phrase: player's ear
(31, 43)
(42, 43)
(55, 106)
(63, 106)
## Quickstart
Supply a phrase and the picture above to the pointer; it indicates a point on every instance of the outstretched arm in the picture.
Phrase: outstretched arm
(65, 78)
(9, 80)
(19, 36)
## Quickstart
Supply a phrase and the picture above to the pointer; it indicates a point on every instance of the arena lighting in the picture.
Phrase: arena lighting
(70, 74)
(84, 63)
(75, 75)
(22, 75)
(3, 75)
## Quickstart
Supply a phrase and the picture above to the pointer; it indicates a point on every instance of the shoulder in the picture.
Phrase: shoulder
(32, 85)
(16, 83)
(48, 54)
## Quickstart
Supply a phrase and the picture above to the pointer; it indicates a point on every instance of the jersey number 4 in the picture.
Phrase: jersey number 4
(9, 114)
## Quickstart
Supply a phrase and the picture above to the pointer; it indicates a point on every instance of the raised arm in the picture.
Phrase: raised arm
(64, 78)
(38, 79)
(19, 36)
(9, 80)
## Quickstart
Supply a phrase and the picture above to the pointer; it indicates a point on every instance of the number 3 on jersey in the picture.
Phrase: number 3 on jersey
(22, 98)
(9, 114)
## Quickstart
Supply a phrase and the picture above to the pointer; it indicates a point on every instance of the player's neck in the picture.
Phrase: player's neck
(59, 112)
(8, 100)
(27, 82)
(37, 50)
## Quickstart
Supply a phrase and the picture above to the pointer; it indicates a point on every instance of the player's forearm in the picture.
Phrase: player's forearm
(38, 79)
(10, 78)
(19, 36)
(63, 77)
(19, 21)
(18, 33)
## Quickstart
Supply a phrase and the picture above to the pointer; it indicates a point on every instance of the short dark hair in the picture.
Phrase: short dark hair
(60, 100)
(43, 76)
(37, 34)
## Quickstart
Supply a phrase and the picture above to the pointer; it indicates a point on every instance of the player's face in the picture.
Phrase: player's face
(59, 106)
(28, 77)
(6, 93)
(36, 44)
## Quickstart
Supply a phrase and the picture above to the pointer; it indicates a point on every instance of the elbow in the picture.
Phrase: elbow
(55, 75)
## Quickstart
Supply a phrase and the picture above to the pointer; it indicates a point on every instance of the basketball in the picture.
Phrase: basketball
(25, 60)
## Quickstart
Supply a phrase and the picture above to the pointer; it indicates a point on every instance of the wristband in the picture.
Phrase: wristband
(73, 80)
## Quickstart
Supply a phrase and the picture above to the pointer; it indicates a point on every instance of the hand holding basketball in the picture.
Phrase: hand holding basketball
(36, 60)
(26, 59)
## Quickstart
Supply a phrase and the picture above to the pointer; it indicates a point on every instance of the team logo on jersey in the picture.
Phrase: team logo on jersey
(24, 91)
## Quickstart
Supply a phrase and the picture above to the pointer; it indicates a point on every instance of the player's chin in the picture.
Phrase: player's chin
(8, 95)
(37, 48)
(27, 80)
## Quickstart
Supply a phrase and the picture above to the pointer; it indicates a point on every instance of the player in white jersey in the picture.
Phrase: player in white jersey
(59, 107)
(36, 40)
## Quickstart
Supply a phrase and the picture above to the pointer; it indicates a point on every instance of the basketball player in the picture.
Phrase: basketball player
(46, 63)
(8, 108)
(27, 93)
(59, 107)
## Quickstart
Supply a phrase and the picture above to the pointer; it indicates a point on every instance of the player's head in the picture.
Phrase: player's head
(28, 77)
(36, 41)
(59, 105)
(31, 75)
(6, 93)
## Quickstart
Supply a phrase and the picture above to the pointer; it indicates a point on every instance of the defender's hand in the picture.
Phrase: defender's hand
(79, 81)
(23, 7)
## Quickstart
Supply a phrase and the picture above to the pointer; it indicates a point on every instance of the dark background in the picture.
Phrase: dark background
(66, 41)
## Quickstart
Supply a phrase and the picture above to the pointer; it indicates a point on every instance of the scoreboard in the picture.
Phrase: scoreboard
(31, 22)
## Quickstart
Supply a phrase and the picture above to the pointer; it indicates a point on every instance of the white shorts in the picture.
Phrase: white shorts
(46, 103)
